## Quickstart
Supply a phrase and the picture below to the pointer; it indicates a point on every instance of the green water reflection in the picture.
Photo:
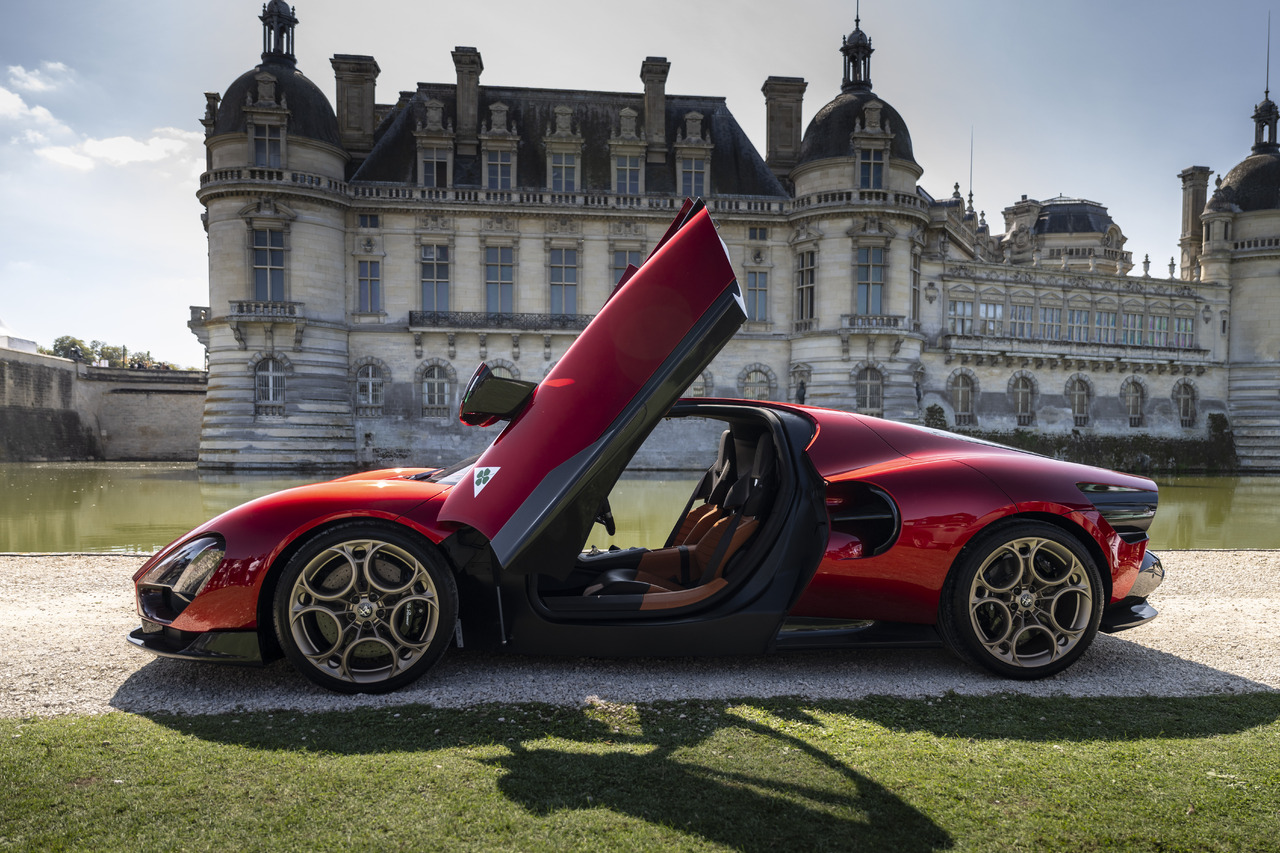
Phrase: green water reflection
(137, 508)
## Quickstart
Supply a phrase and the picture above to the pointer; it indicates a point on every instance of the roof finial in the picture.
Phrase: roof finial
(857, 24)
(1267, 92)
(971, 167)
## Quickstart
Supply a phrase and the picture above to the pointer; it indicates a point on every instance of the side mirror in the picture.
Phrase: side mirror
(490, 398)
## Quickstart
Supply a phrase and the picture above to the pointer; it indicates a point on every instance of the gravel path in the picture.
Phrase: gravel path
(63, 619)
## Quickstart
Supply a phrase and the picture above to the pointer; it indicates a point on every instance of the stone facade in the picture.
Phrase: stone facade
(363, 261)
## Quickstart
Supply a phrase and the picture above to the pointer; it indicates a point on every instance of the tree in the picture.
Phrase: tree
(69, 347)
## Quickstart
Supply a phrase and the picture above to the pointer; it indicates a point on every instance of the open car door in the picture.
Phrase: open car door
(535, 492)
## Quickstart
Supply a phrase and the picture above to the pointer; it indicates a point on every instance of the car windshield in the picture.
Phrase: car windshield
(449, 476)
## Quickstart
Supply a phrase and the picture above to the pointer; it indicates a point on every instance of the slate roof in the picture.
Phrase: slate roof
(1254, 184)
(1072, 216)
(828, 132)
(311, 115)
(736, 166)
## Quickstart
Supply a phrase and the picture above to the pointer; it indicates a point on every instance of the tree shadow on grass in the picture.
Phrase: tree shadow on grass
(728, 776)
(799, 799)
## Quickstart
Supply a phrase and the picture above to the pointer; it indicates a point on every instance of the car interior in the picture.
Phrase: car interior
(715, 542)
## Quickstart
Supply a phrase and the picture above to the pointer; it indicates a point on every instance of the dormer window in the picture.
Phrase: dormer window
(564, 173)
(627, 174)
(564, 153)
(871, 169)
(498, 142)
(693, 157)
(266, 146)
(627, 148)
(435, 167)
(434, 139)
(498, 170)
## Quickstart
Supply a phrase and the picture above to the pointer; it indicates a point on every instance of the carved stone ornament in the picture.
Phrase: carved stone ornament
(435, 223)
(500, 223)
(266, 89)
(564, 225)
(805, 231)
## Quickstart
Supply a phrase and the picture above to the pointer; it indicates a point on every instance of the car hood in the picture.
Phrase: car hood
(535, 491)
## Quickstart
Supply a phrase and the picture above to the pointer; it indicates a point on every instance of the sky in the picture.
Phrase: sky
(101, 146)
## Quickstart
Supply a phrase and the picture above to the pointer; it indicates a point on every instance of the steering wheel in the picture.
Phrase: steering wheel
(605, 516)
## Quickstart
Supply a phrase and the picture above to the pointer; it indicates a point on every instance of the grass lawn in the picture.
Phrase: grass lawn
(956, 773)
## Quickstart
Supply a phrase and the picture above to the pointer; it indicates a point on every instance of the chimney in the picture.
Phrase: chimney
(355, 77)
(653, 71)
(469, 65)
(783, 99)
(1195, 190)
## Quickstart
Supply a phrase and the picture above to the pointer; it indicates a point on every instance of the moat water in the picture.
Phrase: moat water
(136, 508)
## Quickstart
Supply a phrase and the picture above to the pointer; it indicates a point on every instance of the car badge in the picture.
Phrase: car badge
(481, 477)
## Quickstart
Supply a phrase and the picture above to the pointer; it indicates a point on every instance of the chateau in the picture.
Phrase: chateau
(363, 260)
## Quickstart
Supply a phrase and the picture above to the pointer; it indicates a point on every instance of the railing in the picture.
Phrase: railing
(256, 310)
(872, 321)
(1091, 252)
(524, 198)
(842, 197)
(496, 320)
(199, 313)
(1075, 349)
(1256, 243)
(806, 325)
(274, 176)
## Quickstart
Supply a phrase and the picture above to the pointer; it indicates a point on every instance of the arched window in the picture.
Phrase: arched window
(504, 369)
(1023, 391)
(1184, 398)
(962, 399)
(701, 387)
(1078, 398)
(868, 392)
(269, 387)
(369, 388)
(436, 392)
(755, 385)
(1132, 397)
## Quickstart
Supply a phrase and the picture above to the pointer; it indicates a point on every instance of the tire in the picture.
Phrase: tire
(1023, 600)
(365, 608)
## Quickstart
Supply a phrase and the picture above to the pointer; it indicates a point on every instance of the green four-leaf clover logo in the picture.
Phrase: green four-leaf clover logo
(482, 478)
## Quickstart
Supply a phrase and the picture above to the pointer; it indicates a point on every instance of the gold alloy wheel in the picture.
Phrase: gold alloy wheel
(1031, 602)
(363, 611)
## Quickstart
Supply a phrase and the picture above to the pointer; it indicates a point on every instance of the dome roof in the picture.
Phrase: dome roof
(1072, 216)
(1252, 185)
(311, 115)
(828, 133)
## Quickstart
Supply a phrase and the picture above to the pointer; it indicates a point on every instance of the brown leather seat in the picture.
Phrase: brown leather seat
(700, 563)
(712, 489)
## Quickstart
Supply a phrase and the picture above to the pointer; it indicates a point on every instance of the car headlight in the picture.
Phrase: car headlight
(187, 568)
(1125, 508)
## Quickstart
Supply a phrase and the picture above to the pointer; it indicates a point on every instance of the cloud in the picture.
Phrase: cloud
(49, 77)
(165, 144)
(14, 108)
(64, 156)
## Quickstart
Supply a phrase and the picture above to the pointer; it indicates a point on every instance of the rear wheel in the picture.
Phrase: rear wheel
(364, 608)
(1023, 601)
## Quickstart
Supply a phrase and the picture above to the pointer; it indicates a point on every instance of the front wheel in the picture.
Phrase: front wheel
(365, 609)
(1023, 601)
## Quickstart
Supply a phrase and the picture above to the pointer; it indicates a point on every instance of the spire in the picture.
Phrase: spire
(278, 21)
(1266, 114)
(857, 51)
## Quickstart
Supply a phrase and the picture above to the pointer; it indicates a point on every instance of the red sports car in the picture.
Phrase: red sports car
(812, 529)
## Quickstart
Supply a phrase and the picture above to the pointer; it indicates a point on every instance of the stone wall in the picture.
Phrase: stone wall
(146, 415)
(39, 419)
(55, 409)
